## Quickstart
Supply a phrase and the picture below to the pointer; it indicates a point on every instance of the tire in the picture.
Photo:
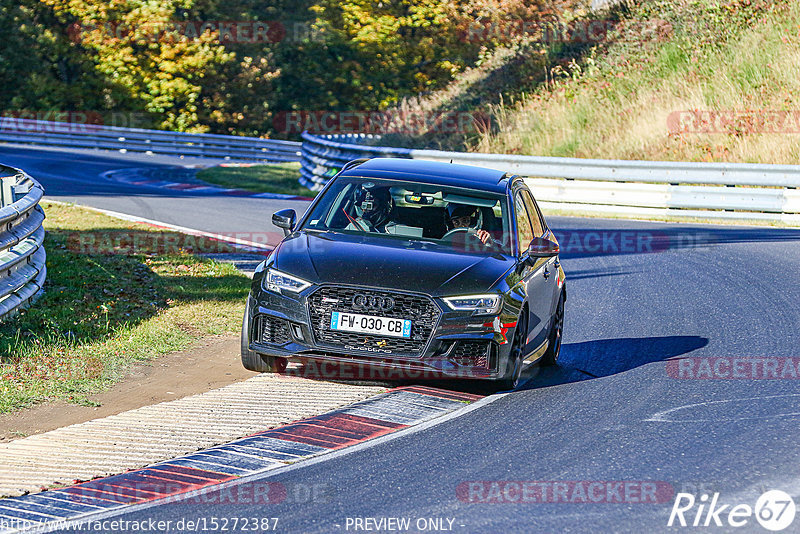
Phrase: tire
(555, 336)
(253, 361)
(516, 355)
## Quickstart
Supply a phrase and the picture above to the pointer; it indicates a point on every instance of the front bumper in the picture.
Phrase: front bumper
(457, 344)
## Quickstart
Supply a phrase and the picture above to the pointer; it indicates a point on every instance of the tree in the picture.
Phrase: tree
(148, 62)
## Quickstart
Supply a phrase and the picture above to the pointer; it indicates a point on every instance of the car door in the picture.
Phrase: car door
(533, 277)
(540, 229)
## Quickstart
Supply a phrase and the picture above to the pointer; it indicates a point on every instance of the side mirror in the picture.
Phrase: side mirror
(284, 219)
(542, 248)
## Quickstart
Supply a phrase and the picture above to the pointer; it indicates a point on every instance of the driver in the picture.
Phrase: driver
(372, 209)
(464, 216)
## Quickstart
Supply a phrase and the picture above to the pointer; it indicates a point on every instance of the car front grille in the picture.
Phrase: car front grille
(471, 353)
(272, 331)
(420, 310)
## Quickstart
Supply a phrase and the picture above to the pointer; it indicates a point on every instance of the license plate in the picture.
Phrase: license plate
(370, 324)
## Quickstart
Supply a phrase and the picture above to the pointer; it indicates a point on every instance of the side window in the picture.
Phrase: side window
(524, 229)
(533, 211)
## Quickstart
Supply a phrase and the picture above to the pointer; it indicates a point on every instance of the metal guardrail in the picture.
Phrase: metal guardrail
(654, 188)
(324, 156)
(73, 135)
(22, 255)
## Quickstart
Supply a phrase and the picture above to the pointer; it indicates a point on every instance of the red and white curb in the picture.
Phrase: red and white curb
(372, 418)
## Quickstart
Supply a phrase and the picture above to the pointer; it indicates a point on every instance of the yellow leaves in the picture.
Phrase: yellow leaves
(149, 58)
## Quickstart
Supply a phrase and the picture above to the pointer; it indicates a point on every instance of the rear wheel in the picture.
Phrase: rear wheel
(556, 334)
(517, 354)
(254, 361)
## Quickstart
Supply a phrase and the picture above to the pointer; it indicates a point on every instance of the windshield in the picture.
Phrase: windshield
(465, 220)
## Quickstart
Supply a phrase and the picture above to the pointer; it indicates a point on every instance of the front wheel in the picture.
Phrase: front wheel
(556, 335)
(253, 361)
(516, 356)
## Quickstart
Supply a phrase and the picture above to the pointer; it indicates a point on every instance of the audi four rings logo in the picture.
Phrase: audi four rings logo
(371, 302)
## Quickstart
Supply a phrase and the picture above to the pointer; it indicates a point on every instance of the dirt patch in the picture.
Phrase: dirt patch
(211, 364)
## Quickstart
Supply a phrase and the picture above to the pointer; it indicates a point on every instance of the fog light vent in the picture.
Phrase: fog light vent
(297, 332)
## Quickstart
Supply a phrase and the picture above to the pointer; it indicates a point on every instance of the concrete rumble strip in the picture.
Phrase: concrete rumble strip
(214, 473)
(152, 434)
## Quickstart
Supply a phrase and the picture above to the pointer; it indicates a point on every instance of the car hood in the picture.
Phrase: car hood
(388, 263)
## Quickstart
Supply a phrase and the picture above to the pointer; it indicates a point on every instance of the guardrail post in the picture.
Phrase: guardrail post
(20, 189)
(6, 191)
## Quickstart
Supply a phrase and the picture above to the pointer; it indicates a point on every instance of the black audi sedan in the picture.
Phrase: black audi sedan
(422, 268)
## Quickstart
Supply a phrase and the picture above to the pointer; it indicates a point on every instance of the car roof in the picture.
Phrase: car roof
(431, 172)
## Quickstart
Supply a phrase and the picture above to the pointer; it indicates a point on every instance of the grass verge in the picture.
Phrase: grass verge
(616, 100)
(103, 312)
(279, 178)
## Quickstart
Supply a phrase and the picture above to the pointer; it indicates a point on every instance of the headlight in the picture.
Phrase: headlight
(276, 280)
(478, 303)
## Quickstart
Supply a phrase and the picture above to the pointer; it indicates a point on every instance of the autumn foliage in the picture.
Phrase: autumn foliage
(229, 66)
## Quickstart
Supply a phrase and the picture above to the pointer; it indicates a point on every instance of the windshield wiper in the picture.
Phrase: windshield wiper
(323, 234)
(421, 242)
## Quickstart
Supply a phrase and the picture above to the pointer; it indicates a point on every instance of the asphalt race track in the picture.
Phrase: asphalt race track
(72, 176)
(722, 298)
